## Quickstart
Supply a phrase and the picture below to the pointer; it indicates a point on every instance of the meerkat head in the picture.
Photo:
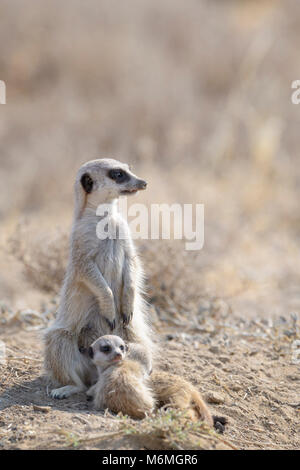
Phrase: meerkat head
(102, 181)
(107, 350)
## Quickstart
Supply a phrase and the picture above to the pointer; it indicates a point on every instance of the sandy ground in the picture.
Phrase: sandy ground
(245, 372)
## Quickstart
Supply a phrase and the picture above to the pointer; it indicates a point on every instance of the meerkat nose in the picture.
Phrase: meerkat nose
(142, 184)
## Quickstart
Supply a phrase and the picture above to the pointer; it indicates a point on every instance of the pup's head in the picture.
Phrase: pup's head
(107, 350)
(106, 179)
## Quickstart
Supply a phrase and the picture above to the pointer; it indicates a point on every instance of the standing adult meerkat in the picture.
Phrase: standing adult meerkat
(123, 377)
(102, 289)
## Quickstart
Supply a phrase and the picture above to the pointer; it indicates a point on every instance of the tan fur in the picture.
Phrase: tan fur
(174, 391)
(126, 386)
(122, 386)
(102, 290)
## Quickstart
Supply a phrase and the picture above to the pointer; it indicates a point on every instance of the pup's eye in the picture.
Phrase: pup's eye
(122, 348)
(105, 348)
(119, 176)
(91, 352)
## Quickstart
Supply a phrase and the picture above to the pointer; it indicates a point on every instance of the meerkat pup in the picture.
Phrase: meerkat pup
(123, 377)
(124, 383)
(102, 289)
(173, 391)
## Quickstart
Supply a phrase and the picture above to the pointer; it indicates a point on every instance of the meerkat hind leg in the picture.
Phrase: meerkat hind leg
(67, 391)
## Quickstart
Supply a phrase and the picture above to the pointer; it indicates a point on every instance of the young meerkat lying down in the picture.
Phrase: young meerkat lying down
(123, 377)
(125, 384)
(172, 391)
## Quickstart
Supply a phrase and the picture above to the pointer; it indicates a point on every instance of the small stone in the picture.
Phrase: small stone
(216, 363)
(42, 409)
(169, 337)
(224, 359)
(235, 387)
(293, 377)
(289, 333)
(214, 349)
(215, 398)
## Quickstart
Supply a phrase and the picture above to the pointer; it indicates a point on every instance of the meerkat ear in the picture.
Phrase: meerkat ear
(87, 183)
(91, 352)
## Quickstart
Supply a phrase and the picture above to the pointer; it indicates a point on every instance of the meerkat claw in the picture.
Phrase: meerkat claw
(127, 319)
(111, 324)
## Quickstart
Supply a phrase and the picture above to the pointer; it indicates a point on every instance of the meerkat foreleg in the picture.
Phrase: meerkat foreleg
(91, 392)
(94, 280)
(128, 290)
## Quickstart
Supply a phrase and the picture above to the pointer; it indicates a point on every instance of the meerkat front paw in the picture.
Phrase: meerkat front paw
(127, 317)
(90, 394)
(127, 307)
(111, 324)
(108, 311)
(127, 312)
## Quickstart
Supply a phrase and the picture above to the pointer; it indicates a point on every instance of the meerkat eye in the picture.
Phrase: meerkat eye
(105, 348)
(91, 352)
(118, 175)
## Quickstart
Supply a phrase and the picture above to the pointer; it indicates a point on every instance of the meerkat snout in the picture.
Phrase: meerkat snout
(117, 357)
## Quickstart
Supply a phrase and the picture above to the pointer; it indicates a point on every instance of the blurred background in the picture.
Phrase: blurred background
(196, 95)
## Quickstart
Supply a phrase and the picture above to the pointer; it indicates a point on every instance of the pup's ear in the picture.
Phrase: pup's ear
(91, 352)
(126, 347)
(87, 183)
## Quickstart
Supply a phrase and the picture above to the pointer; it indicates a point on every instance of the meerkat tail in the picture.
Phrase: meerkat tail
(200, 407)
(174, 391)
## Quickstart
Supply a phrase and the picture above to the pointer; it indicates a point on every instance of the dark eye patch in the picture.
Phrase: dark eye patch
(106, 348)
(87, 183)
(118, 175)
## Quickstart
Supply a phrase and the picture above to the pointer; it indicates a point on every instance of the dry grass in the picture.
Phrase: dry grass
(170, 429)
(44, 258)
